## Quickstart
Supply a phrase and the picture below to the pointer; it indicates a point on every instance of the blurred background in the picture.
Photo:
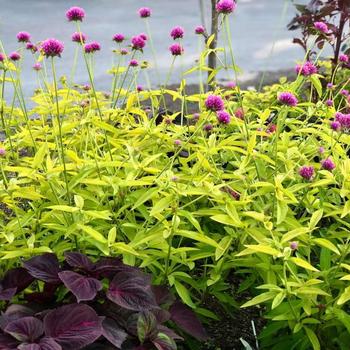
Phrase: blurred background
(260, 38)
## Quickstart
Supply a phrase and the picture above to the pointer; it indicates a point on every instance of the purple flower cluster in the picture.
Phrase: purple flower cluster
(52, 47)
(335, 125)
(176, 49)
(14, 56)
(2, 152)
(343, 120)
(329, 103)
(322, 27)
(75, 14)
(23, 37)
(328, 164)
(288, 99)
(92, 47)
(223, 117)
(225, 6)
(177, 33)
(124, 52)
(138, 42)
(199, 30)
(2, 57)
(133, 63)
(118, 38)
(306, 69)
(79, 37)
(30, 46)
(214, 103)
(145, 12)
(307, 172)
(344, 58)
(37, 66)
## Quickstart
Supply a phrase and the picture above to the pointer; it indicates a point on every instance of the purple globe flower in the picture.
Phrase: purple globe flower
(321, 150)
(335, 125)
(344, 58)
(214, 103)
(177, 33)
(145, 12)
(2, 57)
(330, 86)
(137, 42)
(177, 142)
(139, 88)
(288, 99)
(322, 27)
(2, 152)
(344, 92)
(124, 52)
(307, 69)
(23, 37)
(208, 127)
(307, 172)
(223, 117)
(143, 36)
(92, 47)
(231, 85)
(118, 38)
(328, 164)
(199, 30)
(52, 48)
(14, 56)
(79, 37)
(31, 47)
(133, 63)
(75, 14)
(343, 120)
(329, 103)
(293, 245)
(176, 49)
(225, 6)
(37, 66)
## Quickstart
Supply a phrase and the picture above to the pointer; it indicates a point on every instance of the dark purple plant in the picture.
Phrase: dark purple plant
(71, 305)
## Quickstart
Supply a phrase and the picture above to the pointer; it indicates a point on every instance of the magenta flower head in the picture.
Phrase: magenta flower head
(208, 127)
(124, 52)
(199, 30)
(177, 142)
(145, 12)
(335, 125)
(307, 69)
(37, 66)
(344, 92)
(2, 57)
(31, 47)
(307, 172)
(328, 164)
(343, 120)
(143, 36)
(52, 48)
(223, 117)
(293, 245)
(23, 37)
(133, 63)
(329, 103)
(14, 56)
(75, 14)
(214, 103)
(137, 42)
(344, 58)
(79, 37)
(321, 26)
(231, 85)
(118, 38)
(177, 33)
(330, 86)
(225, 6)
(92, 47)
(288, 99)
(321, 150)
(176, 49)
(139, 88)
(2, 152)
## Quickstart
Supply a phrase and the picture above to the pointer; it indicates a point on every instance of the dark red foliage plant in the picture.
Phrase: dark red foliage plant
(81, 304)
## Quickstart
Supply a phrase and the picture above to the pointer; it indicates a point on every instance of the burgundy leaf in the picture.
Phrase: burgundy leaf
(187, 320)
(7, 342)
(7, 294)
(48, 343)
(84, 288)
(164, 342)
(131, 291)
(25, 329)
(146, 326)
(113, 333)
(73, 326)
(78, 260)
(161, 315)
(18, 278)
(44, 267)
(14, 312)
(163, 295)
(107, 267)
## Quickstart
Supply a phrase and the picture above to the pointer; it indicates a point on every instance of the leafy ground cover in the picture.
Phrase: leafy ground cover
(243, 203)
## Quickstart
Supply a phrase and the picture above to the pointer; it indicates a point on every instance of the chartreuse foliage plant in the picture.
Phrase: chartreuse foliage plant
(253, 186)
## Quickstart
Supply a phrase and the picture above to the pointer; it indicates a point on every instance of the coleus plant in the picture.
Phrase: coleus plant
(72, 305)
